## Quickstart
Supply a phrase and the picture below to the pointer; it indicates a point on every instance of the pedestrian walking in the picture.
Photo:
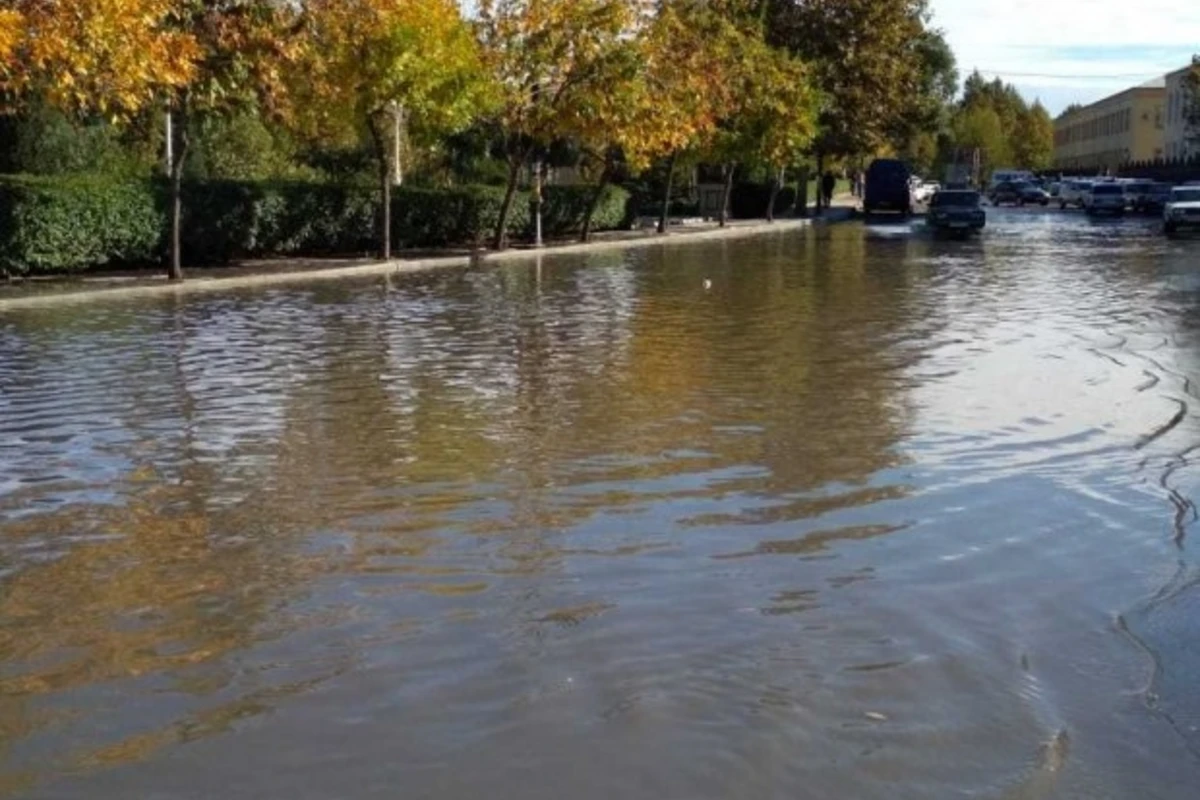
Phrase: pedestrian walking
(828, 182)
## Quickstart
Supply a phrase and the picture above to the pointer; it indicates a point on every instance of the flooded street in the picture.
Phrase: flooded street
(871, 515)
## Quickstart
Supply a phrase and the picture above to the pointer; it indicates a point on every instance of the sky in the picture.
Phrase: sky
(1070, 51)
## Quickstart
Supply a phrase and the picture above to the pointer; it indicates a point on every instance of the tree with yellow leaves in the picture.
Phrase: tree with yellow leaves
(117, 58)
(110, 57)
(548, 61)
(363, 61)
(772, 120)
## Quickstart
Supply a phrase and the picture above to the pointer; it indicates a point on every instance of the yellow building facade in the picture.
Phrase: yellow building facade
(1127, 126)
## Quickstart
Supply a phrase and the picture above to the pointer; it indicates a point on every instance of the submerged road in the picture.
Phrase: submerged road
(845, 512)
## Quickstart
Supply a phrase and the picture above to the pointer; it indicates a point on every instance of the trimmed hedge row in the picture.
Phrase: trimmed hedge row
(749, 200)
(60, 224)
(564, 209)
(69, 224)
(225, 220)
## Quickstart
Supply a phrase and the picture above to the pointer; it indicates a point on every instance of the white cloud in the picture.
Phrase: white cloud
(1083, 42)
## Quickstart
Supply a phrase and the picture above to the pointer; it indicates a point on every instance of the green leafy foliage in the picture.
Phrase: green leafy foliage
(749, 200)
(66, 224)
(564, 209)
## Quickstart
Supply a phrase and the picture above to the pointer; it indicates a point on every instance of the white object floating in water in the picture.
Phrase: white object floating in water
(876, 716)
(707, 284)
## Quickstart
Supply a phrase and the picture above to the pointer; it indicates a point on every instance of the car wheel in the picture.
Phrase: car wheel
(1020, 203)
(1170, 228)
(1062, 206)
(1045, 203)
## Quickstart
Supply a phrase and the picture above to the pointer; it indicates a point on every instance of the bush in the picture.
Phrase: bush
(564, 207)
(749, 200)
(224, 220)
(463, 215)
(68, 224)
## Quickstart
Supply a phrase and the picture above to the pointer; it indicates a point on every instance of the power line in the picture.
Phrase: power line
(1117, 77)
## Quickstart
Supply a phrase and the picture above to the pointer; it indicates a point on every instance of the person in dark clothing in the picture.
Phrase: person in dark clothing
(828, 182)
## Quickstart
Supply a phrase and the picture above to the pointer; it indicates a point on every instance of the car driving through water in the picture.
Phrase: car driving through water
(1182, 210)
(956, 212)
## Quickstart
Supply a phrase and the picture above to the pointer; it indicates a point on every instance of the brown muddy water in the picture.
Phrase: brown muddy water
(869, 516)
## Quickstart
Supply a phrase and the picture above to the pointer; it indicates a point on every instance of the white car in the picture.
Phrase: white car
(925, 191)
(1105, 198)
(1073, 193)
(1182, 211)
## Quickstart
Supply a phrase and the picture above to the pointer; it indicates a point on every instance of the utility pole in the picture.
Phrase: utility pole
(397, 143)
(169, 152)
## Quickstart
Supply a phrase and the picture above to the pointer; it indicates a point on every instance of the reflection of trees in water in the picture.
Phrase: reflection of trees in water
(420, 443)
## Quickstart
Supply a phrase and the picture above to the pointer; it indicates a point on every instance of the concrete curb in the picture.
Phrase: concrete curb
(358, 269)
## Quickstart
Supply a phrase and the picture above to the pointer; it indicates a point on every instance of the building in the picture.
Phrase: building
(1127, 126)
(1175, 140)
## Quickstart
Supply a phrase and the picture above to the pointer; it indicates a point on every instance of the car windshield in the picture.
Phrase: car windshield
(1186, 195)
(1107, 188)
(955, 199)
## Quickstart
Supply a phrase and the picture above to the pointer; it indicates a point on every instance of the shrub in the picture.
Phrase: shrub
(68, 224)
(564, 207)
(462, 215)
(749, 200)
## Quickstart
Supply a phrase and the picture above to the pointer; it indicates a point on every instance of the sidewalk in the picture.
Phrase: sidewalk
(51, 291)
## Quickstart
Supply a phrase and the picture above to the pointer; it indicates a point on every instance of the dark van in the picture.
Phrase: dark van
(888, 187)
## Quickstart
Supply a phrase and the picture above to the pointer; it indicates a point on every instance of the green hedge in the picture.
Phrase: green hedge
(67, 224)
(749, 200)
(64, 224)
(564, 208)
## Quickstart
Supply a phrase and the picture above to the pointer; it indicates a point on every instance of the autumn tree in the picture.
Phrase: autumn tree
(1033, 138)
(772, 119)
(547, 59)
(867, 62)
(107, 57)
(687, 48)
(364, 61)
(242, 45)
(118, 58)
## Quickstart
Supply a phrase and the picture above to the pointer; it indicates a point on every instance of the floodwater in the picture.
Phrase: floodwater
(871, 515)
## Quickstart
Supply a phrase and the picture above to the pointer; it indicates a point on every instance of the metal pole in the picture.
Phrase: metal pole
(397, 135)
(170, 149)
(537, 203)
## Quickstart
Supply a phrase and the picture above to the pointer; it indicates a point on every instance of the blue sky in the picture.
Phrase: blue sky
(1065, 51)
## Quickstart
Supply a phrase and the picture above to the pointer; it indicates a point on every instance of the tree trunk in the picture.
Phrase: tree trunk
(500, 237)
(730, 168)
(179, 158)
(820, 182)
(585, 234)
(385, 189)
(776, 185)
(666, 200)
(802, 192)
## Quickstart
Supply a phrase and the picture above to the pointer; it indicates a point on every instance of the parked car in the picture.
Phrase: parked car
(1182, 211)
(956, 211)
(925, 191)
(1155, 198)
(887, 188)
(1005, 192)
(1008, 176)
(1032, 195)
(1135, 193)
(1073, 193)
(1105, 198)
